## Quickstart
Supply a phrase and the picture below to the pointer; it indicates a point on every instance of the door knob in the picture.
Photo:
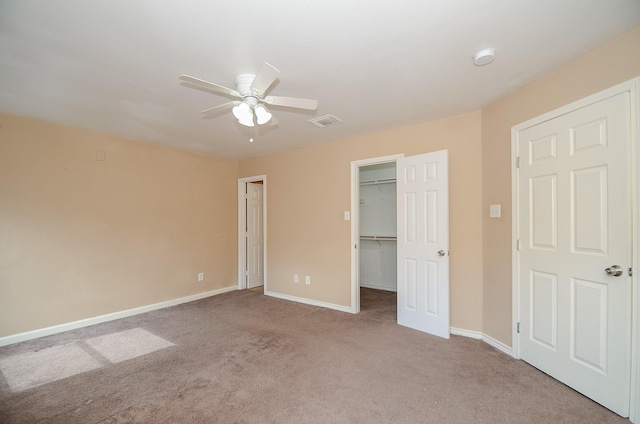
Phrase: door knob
(440, 252)
(614, 270)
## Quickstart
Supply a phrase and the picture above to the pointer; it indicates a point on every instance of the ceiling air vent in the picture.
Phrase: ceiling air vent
(325, 121)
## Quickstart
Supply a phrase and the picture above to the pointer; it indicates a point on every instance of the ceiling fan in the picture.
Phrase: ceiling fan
(252, 89)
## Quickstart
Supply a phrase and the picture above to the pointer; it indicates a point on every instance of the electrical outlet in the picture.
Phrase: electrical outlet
(307, 279)
(295, 278)
(201, 276)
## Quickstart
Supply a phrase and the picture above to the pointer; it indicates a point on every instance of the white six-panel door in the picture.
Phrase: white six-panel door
(255, 266)
(423, 242)
(573, 226)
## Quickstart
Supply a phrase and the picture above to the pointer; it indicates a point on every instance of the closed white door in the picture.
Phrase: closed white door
(423, 242)
(255, 249)
(573, 229)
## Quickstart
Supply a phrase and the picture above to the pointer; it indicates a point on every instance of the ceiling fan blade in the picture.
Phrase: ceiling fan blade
(214, 87)
(292, 102)
(221, 107)
(264, 78)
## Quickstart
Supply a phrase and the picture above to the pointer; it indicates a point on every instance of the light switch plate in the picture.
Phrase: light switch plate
(494, 211)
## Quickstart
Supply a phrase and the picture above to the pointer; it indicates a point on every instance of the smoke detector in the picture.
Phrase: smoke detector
(484, 57)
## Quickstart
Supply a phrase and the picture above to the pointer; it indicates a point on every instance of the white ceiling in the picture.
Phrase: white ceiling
(113, 66)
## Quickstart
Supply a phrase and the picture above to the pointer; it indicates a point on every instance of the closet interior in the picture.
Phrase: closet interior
(377, 226)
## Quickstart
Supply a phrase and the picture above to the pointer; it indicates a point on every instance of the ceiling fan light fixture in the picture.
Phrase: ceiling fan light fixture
(242, 112)
(262, 114)
(247, 122)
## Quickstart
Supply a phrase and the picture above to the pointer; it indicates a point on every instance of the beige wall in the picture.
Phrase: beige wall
(309, 189)
(81, 238)
(614, 62)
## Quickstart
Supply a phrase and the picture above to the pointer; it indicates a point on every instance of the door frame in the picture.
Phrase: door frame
(242, 217)
(632, 87)
(355, 225)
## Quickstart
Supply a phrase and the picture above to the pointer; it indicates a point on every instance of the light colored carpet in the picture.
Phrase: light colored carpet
(242, 357)
(32, 369)
(128, 344)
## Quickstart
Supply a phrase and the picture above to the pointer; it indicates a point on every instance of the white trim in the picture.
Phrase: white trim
(481, 336)
(515, 236)
(308, 301)
(466, 333)
(242, 210)
(497, 344)
(355, 228)
(634, 401)
(29, 335)
(633, 87)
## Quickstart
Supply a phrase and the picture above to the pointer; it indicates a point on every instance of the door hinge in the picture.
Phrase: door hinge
(518, 328)
(630, 272)
(518, 162)
(355, 246)
(518, 245)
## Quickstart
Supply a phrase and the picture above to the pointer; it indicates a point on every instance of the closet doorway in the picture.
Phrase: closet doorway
(252, 233)
(377, 227)
(373, 205)
(421, 236)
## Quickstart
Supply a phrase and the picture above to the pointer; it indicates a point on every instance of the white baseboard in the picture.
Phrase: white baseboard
(481, 336)
(454, 330)
(21, 337)
(309, 301)
(466, 333)
(29, 335)
(497, 344)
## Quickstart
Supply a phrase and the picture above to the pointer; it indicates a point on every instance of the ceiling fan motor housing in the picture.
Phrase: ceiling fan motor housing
(243, 84)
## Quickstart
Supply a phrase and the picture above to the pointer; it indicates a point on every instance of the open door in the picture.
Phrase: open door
(254, 242)
(423, 242)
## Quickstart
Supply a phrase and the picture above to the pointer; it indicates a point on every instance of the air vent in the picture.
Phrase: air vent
(325, 121)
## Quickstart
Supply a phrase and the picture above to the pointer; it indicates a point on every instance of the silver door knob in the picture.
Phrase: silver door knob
(614, 270)
(440, 252)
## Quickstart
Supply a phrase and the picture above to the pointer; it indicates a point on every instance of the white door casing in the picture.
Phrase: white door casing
(242, 230)
(423, 242)
(254, 240)
(355, 223)
(573, 222)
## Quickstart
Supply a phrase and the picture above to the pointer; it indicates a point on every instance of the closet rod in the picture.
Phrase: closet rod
(385, 181)
(377, 238)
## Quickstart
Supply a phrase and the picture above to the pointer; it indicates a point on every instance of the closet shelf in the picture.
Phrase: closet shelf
(383, 181)
(378, 238)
